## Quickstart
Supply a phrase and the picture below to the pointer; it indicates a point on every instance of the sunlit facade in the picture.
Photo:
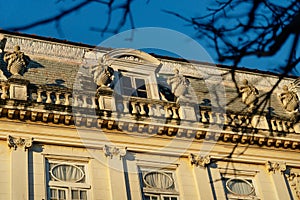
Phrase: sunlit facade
(78, 122)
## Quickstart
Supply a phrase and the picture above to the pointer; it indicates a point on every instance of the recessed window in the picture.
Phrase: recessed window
(133, 86)
(159, 185)
(239, 188)
(67, 181)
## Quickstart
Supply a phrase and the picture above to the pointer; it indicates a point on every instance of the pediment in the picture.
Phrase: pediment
(130, 55)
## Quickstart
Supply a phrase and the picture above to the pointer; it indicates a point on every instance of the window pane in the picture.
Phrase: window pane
(66, 172)
(142, 94)
(62, 194)
(53, 194)
(150, 197)
(140, 84)
(126, 82)
(240, 186)
(83, 195)
(75, 195)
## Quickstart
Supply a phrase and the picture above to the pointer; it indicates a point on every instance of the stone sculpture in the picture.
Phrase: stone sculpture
(16, 61)
(289, 98)
(179, 84)
(249, 95)
(2, 43)
(103, 75)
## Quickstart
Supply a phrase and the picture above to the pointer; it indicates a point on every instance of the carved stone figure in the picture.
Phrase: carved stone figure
(16, 61)
(103, 75)
(249, 94)
(2, 43)
(179, 84)
(289, 98)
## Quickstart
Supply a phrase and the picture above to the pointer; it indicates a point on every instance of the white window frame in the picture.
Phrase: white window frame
(159, 193)
(132, 77)
(63, 185)
(240, 176)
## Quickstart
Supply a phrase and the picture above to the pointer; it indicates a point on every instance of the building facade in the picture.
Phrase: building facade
(78, 122)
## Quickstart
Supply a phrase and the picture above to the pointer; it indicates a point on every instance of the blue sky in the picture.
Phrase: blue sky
(146, 13)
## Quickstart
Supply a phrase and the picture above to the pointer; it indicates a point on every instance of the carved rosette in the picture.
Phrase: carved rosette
(114, 151)
(18, 142)
(199, 160)
(273, 167)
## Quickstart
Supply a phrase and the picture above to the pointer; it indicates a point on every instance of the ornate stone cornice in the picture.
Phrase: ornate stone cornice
(18, 142)
(198, 160)
(110, 151)
(273, 167)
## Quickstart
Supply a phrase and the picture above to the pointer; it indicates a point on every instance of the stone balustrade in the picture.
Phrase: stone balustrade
(245, 121)
(148, 108)
(125, 106)
(4, 92)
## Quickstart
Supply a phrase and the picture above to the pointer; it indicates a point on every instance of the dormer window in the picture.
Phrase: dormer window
(133, 86)
(134, 73)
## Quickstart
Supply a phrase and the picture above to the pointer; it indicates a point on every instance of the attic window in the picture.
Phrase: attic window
(133, 86)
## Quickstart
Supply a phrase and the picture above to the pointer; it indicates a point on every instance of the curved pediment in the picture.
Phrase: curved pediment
(131, 55)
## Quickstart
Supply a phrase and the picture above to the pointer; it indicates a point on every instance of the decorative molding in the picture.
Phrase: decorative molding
(199, 160)
(111, 152)
(18, 142)
(294, 181)
(273, 167)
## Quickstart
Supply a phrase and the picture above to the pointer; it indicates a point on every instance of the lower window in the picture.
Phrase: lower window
(239, 188)
(158, 185)
(67, 181)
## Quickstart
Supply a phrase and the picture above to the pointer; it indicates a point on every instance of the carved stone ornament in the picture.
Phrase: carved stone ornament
(273, 167)
(16, 61)
(294, 181)
(289, 98)
(2, 42)
(102, 74)
(199, 160)
(114, 151)
(179, 84)
(18, 142)
(132, 58)
(249, 94)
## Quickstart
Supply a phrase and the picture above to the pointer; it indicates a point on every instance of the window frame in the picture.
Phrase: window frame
(160, 193)
(232, 195)
(65, 185)
(133, 77)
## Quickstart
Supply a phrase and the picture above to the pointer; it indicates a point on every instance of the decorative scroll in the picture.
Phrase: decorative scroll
(198, 160)
(275, 166)
(114, 151)
(18, 142)
(294, 181)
